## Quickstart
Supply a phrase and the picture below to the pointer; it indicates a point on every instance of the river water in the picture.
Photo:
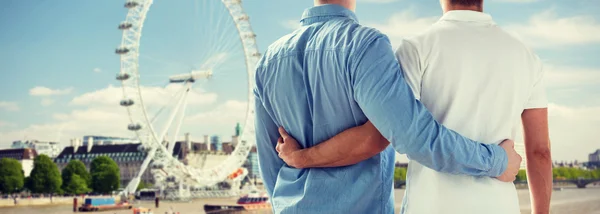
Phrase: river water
(567, 201)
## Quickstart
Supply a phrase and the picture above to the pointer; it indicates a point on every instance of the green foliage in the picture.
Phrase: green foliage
(143, 185)
(522, 175)
(11, 176)
(105, 175)
(27, 183)
(399, 174)
(567, 173)
(45, 177)
(75, 167)
(76, 185)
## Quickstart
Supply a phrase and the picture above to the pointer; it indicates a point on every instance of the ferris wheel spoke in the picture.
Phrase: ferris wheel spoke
(164, 62)
(167, 104)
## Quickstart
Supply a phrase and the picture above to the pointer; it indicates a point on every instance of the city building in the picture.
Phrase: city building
(104, 140)
(251, 164)
(51, 149)
(215, 142)
(595, 157)
(127, 156)
(25, 156)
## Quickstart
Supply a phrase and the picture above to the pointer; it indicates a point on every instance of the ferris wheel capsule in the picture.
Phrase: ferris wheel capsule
(125, 26)
(126, 103)
(122, 50)
(131, 4)
(134, 127)
(122, 76)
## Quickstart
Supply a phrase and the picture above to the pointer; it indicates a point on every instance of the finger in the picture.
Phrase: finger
(278, 146)
(283, 133)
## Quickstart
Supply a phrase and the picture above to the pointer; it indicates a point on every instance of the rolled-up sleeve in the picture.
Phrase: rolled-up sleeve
(389, 103)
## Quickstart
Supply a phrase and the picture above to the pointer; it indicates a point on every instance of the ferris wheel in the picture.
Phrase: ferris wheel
(228, 45)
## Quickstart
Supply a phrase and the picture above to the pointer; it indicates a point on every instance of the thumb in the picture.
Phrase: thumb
(283, 133)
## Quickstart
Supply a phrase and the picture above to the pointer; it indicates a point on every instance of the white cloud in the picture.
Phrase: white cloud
(9, 106)
(113, 121)
(546, 30)
(153, 96)
(404, 24)
(6, 124)
(99, 113)
(563, 76)
(97, 70)
(47, 102)
(45, 91)
(291, 24)
(92, 121)
(573, 131)
(223, 113)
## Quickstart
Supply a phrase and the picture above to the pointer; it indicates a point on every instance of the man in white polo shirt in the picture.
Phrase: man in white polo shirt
(481, 82)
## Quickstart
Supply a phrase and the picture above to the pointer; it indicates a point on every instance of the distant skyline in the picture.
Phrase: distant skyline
(59, 65)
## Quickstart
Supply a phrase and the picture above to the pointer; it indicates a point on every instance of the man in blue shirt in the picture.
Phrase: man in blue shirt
(332, 74)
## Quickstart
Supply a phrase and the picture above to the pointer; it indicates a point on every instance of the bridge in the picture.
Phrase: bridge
(580, 183)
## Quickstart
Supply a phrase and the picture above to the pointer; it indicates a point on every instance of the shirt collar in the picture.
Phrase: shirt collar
(467, 16)
(326, 12)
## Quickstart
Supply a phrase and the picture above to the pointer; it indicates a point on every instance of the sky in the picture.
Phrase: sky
(58, 63)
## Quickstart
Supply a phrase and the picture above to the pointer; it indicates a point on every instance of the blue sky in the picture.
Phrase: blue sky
(58, 63)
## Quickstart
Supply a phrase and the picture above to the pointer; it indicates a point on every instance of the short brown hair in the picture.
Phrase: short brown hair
(467, 2)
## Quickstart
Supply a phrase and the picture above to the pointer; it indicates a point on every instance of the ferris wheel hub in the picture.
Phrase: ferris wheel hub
(192, 76)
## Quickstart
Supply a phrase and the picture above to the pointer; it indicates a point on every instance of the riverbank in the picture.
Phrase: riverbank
(26, 202)
(569, 200)
(56, 201)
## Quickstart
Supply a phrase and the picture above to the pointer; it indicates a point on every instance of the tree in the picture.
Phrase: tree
(522, 175)
(105, 175)
(45, 177)
(76, 185)
(399, 174)
(143, 185)
(75, 167)
(11, 175)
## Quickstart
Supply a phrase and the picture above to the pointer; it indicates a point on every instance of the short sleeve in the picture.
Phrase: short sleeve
(409, 59)
(537, 97)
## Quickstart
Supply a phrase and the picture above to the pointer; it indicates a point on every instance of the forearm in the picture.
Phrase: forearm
(347, 148)
(539, 160)
(539, 176)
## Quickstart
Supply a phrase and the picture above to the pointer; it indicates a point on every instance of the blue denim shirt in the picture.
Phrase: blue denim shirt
(332, 74)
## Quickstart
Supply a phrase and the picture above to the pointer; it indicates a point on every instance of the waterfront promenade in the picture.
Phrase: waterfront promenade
(570, 200)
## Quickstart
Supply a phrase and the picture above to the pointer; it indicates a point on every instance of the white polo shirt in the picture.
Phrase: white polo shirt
(475, 79)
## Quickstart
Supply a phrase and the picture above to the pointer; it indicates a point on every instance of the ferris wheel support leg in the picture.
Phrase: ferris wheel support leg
(181, 117)
(173, 114)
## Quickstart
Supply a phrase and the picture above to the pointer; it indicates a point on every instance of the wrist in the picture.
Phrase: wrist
(499, 160)
(301, 159)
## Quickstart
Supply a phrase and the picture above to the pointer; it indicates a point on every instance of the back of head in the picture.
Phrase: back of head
(475, 5)
(466, 2)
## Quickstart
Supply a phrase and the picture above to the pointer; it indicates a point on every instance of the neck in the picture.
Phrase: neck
(478, 8)
(348, 4)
